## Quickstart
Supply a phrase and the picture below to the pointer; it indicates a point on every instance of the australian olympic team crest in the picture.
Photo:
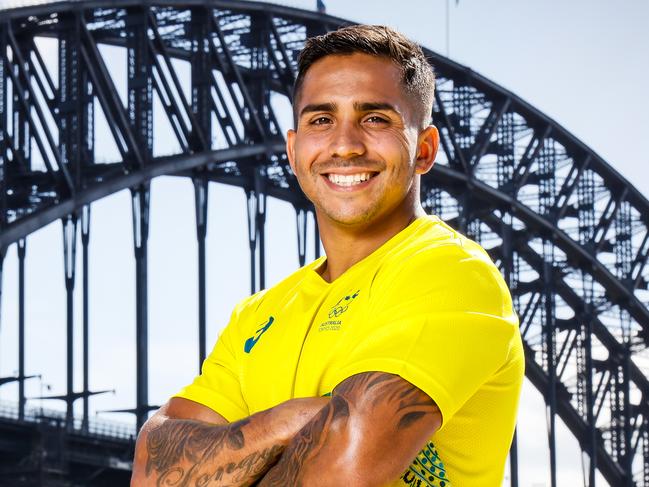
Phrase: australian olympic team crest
(334, 323)
(341, 306)
(426, 470)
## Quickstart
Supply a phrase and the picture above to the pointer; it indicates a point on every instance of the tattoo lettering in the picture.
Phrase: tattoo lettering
(186, 453)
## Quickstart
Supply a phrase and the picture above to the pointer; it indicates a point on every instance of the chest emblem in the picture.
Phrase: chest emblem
(252, 341)
(341, 306)
(334, 323)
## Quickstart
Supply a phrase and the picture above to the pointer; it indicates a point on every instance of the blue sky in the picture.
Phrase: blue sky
(583, 63)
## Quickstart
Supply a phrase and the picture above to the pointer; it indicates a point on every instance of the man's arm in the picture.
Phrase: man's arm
(186, 443)
(368, 435)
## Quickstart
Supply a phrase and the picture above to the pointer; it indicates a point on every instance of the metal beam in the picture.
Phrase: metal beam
(140, 79)
(85, 243)
(301, 217)
(200, 81)
(21, 248)
(550, 359)
(118, 122)
(69, 263)
(29, 101)
(316, 236)
(140, 205)
(201, 188)
(450, 140)
(256, 199)
(487, 130)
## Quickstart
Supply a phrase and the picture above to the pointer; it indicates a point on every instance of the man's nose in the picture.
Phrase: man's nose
(347, 141)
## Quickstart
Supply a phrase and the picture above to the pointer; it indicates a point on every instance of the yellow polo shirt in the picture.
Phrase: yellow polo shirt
(428, 305)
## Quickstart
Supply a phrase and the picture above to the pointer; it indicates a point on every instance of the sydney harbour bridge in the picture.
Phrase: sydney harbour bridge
(569, 234)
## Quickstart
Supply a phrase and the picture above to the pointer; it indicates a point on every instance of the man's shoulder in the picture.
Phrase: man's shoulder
(439, 261)
(434, 246)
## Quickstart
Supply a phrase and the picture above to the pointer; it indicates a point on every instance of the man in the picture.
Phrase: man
(394, 360)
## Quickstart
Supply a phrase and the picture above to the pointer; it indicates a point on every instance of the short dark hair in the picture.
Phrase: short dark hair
(417, 75)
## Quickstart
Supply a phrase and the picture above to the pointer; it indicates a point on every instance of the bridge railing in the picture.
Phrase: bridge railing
(95, 426)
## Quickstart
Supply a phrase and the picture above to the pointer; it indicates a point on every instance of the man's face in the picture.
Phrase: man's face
(358, 145)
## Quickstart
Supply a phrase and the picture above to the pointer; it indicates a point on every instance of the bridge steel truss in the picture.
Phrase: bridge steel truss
(567, 231)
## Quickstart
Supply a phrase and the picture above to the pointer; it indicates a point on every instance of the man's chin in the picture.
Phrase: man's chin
(350, 220)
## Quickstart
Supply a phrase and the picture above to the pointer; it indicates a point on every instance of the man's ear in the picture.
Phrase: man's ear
(290, 148)
(427, 145)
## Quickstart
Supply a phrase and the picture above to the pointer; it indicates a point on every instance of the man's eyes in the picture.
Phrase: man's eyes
(320, 121)
(376, 119)
(373, 119)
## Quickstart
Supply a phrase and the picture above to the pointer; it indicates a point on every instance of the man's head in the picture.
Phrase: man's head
(417, 76)
(362, 136)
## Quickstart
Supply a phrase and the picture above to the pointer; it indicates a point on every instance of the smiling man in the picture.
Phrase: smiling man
(393, 360)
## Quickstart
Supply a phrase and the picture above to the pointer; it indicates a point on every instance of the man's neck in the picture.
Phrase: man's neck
(345, 247)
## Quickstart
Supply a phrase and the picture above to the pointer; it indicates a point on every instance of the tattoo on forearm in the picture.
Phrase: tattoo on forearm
(306, 444)
(367, 390)
(186, 453)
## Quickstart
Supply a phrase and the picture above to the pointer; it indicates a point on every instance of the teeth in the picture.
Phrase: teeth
(349, 179)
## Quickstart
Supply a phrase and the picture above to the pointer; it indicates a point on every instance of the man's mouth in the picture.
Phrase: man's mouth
(350, 179)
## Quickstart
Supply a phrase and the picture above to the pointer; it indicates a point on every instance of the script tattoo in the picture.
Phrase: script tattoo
(192, 458)
(370, 392)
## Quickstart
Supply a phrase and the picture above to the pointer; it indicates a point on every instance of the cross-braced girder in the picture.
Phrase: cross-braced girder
(203, 95)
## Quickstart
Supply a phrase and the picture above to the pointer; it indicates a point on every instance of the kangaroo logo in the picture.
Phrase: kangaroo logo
(252, 341)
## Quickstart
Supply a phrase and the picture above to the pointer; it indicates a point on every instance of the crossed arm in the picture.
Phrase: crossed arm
(365, 435)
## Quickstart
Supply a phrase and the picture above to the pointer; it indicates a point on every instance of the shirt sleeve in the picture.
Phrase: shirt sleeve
(218, 386)
(443, 321)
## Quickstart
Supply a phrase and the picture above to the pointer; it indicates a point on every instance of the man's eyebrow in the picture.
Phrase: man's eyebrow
(371, 106)
(366, 106)
(318, 107)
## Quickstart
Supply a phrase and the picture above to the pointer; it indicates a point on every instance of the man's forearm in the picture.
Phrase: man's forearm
(367, 435)
(189, 452)
(181, 451)
(290, 470)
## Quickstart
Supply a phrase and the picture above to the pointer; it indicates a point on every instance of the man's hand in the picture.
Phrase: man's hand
(186, 442)
(368, 434)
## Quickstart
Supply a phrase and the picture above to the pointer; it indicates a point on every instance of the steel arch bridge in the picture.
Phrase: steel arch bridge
(568, 232)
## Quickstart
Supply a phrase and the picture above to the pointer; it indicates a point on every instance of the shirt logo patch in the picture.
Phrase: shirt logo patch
(341, 306)
(250, 342)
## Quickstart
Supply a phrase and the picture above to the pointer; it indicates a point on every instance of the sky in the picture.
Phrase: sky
(583, 63)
